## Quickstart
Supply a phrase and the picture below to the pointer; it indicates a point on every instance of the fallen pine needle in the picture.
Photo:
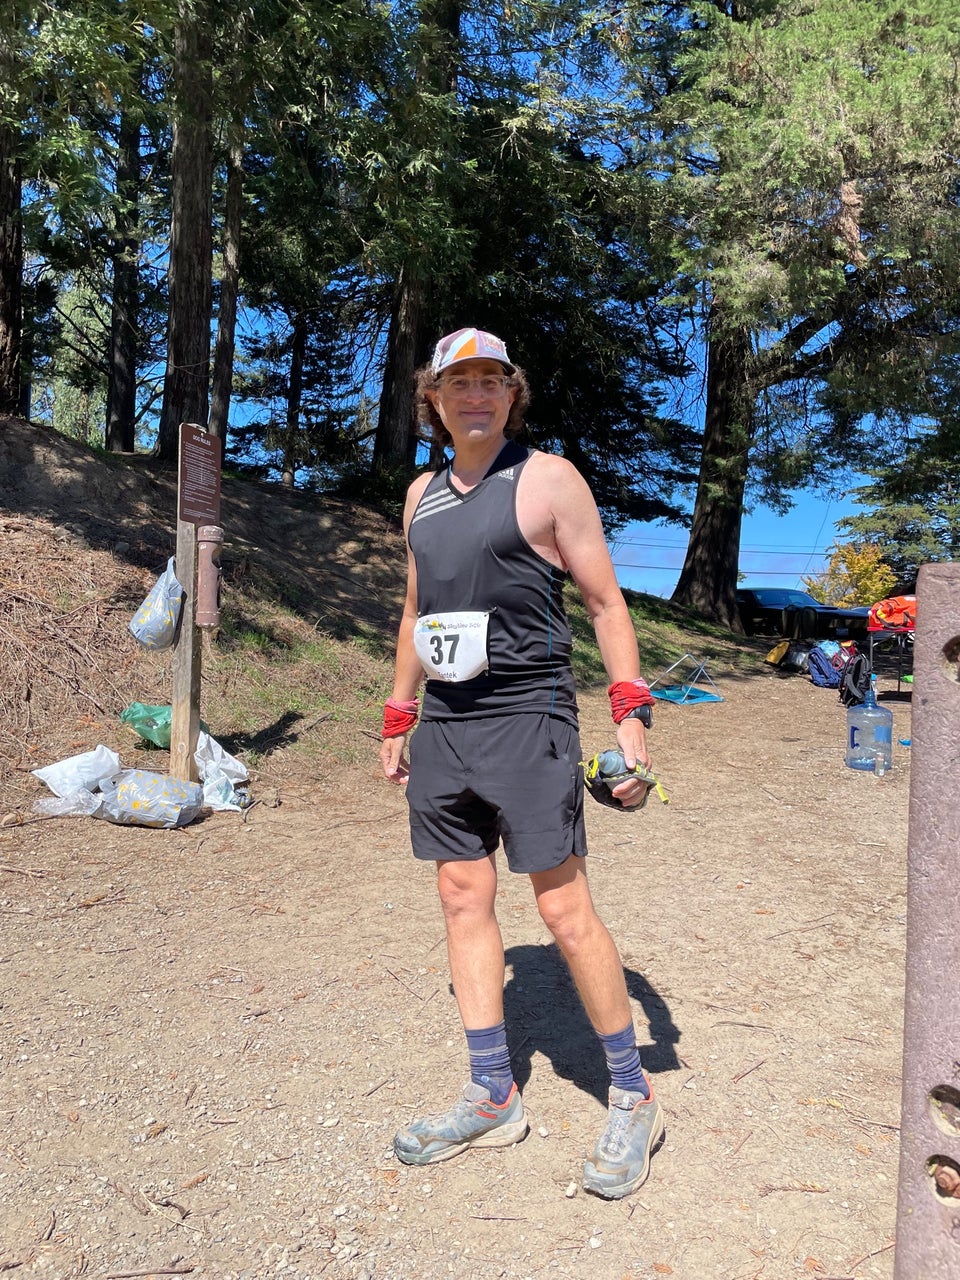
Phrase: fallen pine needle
(876, 1253)
(154, 1271)
(738, 1078)
(746, 1137)
(810, 1187)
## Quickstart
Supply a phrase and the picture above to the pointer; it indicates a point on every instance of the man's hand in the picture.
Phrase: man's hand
(632, 741)
(393, 760)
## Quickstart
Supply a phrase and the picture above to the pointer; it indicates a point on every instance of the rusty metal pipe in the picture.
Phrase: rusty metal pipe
(928, 1193)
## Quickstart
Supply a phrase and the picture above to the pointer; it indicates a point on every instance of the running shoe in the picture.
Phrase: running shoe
(473, 1121)
(621, 1159)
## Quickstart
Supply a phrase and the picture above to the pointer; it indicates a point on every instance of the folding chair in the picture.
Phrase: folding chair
(695, 682)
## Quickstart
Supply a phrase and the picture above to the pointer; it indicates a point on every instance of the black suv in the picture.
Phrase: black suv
(781, 611)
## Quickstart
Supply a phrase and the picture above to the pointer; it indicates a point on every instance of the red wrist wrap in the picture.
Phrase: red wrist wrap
(399, 717)
(627, 694)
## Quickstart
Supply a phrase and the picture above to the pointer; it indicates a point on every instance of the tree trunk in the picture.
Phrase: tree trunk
(438, 67)
(229, 287)
(708, 580)
(395, 441)
(124, 307)
(187, 379)
(291, 451)
(11, 270)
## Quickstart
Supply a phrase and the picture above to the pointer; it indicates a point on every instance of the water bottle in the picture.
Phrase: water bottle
(870, 734)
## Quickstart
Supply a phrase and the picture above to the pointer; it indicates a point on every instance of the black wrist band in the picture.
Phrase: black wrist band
(644, 714)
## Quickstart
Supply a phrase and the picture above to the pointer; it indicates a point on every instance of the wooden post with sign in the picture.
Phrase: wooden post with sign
(198, 504)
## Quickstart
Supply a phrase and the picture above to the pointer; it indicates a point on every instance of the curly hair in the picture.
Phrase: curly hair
(427, 380)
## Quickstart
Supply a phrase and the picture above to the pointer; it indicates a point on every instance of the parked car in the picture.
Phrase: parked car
(782, 611)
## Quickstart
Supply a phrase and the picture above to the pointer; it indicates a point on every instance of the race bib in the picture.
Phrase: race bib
(452, 646)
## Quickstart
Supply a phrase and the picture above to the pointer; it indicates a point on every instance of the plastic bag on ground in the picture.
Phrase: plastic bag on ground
(141, 798)
(76, 804)
(152, 723)
(211, 758)
(220, 771)
(155, 622)
(219, 793)
(79, 773)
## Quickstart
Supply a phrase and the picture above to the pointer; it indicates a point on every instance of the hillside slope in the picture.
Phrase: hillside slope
(84, 537)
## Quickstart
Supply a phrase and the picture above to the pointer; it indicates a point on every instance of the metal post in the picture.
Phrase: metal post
(928, 1202)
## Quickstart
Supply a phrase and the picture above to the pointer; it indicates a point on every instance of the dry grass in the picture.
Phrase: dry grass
(272, 682)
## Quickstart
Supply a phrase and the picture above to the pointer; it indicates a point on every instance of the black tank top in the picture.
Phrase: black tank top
(470, 554)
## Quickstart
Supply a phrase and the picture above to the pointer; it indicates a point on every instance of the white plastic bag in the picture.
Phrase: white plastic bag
(79, 773)
(211, 758)
(219, 793)
(141, 798)
(155, 622)
(219, 771)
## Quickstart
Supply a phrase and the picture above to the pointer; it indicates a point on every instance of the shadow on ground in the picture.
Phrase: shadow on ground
(544, 1015)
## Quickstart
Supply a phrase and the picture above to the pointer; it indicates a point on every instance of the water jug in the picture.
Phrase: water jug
(870, 734)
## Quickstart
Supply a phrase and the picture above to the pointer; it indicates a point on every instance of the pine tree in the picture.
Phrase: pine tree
(801, 163)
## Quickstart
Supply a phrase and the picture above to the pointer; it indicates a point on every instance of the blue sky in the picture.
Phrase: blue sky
(775, 550)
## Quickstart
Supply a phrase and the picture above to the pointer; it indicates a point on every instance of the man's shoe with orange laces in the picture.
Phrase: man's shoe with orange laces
(621, 1159)
(473, 1121)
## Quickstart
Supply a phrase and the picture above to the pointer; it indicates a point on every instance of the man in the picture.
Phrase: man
(496, 755)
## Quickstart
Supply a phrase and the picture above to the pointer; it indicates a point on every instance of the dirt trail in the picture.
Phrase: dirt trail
(208, 1036)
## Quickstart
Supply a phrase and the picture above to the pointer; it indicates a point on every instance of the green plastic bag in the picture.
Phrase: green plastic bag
(152, 723)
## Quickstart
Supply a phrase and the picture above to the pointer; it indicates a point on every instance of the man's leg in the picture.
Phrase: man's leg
(468, 892)
(566, 908)
(475, 949)
(621, 1159)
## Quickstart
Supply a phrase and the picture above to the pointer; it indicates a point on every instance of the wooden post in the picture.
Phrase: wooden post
(187, 662)
(198, 504)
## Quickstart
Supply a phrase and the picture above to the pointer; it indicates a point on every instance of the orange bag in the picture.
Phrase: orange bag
(896, 613)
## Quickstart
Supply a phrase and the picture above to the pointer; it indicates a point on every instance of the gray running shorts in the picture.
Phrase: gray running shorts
(515, 779)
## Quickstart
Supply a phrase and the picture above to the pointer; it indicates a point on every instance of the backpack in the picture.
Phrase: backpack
(795, 659)
(822, 671)
(855, 681)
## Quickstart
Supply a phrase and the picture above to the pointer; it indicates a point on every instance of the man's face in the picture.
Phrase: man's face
(473, 400)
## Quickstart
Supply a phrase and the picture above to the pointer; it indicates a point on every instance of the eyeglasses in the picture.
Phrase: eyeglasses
(490, 385)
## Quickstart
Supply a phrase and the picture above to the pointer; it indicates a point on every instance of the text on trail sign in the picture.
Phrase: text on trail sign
(200, 455)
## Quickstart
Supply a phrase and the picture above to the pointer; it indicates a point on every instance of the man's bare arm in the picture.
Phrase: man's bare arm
(407, 670)
(580, 540)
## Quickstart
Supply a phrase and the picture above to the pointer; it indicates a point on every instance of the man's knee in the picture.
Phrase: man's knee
(466, 889)
(569, 921)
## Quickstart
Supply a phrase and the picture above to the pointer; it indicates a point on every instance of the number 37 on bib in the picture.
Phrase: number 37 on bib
(452, 646)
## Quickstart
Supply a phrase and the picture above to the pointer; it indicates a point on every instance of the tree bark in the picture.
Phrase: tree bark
(708, 580)
(291, 452)
(395, 445)
(229, 287)
(124, 307)
(395, 440)
(187, 379)
(11, 270)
